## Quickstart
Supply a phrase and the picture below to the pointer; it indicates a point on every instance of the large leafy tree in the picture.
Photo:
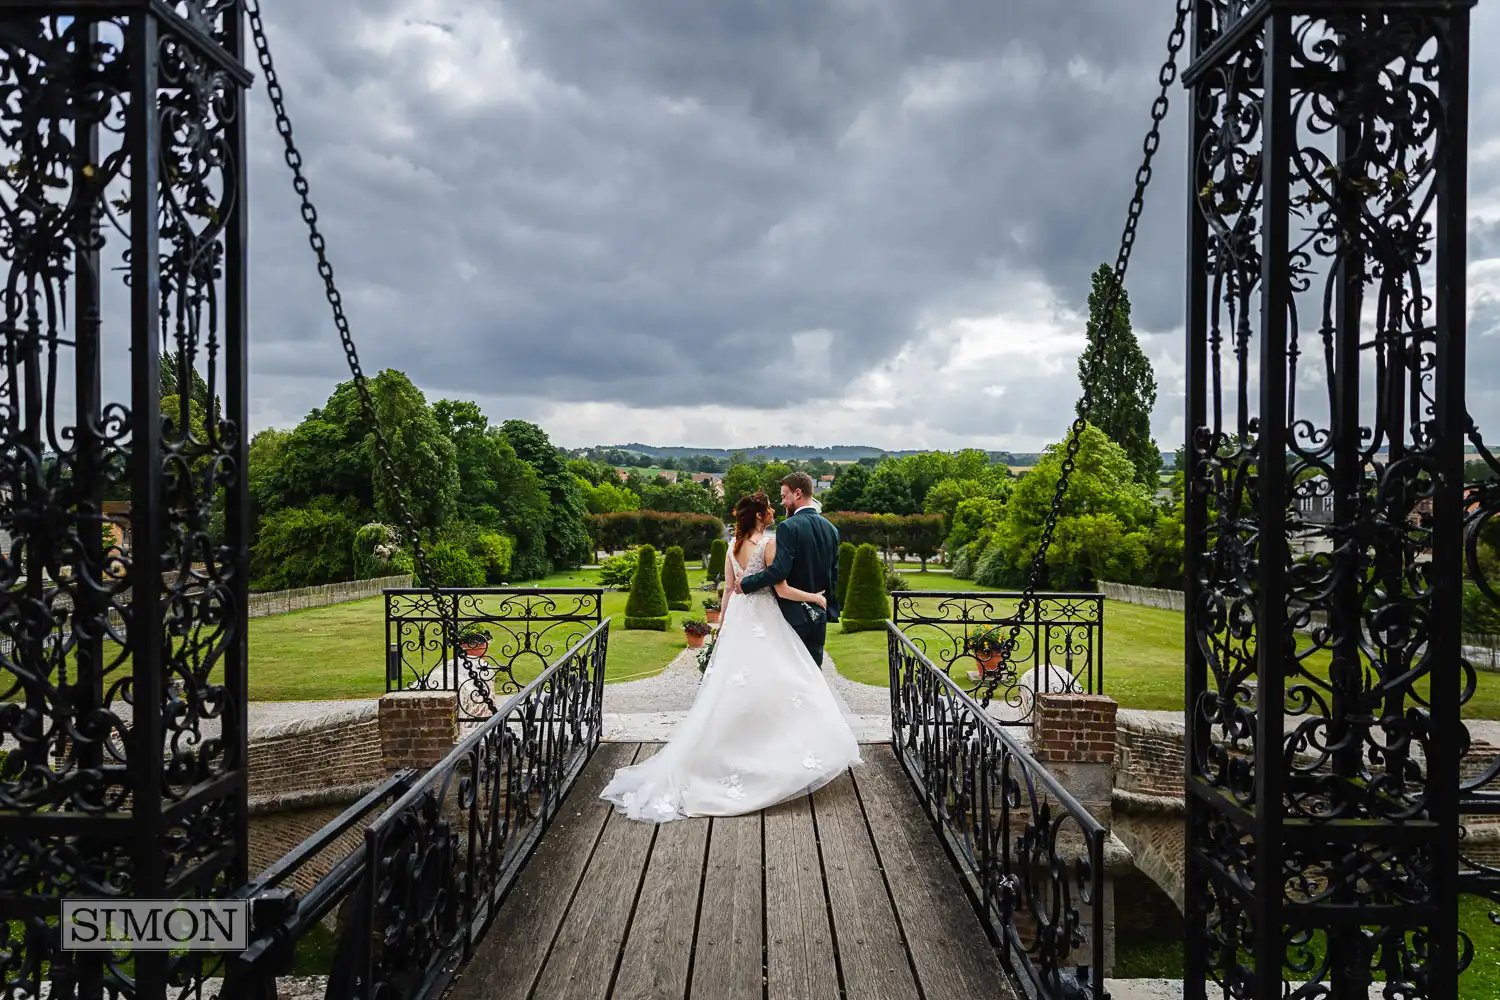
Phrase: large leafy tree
(847, 489)
(497, 490)
(1103, 525)
(424, 456)
(740, 481)
(567, 533)
(889, 491)
(1125, 385)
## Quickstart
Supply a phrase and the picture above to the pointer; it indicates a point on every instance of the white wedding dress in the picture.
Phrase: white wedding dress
(765, 726)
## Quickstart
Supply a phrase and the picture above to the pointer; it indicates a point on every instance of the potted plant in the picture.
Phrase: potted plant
(711, 609)
(986, 645)
(474, 641)
(696, 631)
(706, 653)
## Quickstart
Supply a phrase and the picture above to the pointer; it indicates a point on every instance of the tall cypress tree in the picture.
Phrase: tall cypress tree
(1125, 384)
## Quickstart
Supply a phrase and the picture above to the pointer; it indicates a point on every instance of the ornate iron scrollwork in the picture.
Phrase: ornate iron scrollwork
(1325, 369)
(1033, 856)
(122, 485)
(1005, 648)
(527, 629)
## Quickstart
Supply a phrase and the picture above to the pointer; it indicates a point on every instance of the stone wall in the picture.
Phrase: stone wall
(1149, 812)
(305, 772)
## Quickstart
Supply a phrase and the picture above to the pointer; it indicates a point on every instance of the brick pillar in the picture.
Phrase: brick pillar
(1076, 728)
(417, 728)
(1074, 738)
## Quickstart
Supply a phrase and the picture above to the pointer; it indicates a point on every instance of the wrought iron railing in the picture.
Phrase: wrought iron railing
(1032, 857)
(1060, 647)
(435, 864)
(527, 630)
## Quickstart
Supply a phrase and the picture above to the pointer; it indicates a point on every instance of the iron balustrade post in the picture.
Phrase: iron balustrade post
(1325, 359)
(122, 661)
(1447, 691)
(1195, 524)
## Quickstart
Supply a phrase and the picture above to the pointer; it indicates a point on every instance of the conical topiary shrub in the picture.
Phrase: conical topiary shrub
(674, 580)
(867, 607)
(846, 566)
(646, 607)
(716, 553)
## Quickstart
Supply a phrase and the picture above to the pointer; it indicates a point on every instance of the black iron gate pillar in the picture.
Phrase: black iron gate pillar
(123, 501)
(1325, 357)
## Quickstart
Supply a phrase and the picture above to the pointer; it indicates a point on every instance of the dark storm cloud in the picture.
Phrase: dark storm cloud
(582, 200)
(638, 193)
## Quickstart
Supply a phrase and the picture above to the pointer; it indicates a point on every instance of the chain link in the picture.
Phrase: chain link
(1149, 146)
(335, 300)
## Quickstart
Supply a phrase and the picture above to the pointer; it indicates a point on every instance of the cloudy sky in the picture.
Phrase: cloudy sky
(723, 224)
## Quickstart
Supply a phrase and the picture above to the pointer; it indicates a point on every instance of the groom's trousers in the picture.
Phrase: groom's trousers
(813, 635)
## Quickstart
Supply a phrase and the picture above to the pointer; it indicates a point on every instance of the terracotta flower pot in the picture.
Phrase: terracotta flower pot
(712, 617)
(989, 663)
(695, 641)
(474, 650)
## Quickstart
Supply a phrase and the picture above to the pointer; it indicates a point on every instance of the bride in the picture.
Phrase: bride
(765, 726)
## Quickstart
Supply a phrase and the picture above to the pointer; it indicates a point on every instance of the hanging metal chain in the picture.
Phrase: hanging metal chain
(335, 300)
(1149, 146)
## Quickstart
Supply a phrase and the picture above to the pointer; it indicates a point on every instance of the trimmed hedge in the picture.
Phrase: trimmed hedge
(919, 535)
(646, 607)
(675, 582)
(868, 607)
(620, 530)
(846, 566)
(716, 553)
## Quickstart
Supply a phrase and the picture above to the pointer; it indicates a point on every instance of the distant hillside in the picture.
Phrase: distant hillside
(802, 453)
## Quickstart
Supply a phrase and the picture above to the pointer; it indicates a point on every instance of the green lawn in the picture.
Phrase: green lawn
(1142, 957)
(338, 651)
(1143, 653)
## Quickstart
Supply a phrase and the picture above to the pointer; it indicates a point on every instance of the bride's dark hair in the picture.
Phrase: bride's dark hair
(747, 515)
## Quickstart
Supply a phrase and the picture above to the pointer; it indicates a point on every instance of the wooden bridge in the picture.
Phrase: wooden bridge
(847, 892)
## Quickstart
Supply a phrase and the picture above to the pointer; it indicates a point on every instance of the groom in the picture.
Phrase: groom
(807, 557)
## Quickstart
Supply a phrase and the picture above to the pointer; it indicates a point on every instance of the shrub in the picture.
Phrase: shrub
(716, 553)
(963, 568)
(695, 627)
(895, 581)
(493, 552)
(675, 582)
(304, 546)
(694, 532)
(846, 564)
(868, 607)
(616, 572)
(453, 567)
(375, 545)
(646, 607)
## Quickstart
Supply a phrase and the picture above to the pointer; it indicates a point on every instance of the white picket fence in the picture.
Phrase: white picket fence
(1482, 650)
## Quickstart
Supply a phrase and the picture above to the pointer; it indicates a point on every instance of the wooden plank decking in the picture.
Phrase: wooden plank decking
(843, 893)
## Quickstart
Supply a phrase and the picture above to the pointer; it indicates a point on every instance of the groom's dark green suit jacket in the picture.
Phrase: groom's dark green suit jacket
(807, 557)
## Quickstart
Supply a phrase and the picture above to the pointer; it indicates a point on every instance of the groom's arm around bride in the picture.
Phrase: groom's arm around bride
(807, 557)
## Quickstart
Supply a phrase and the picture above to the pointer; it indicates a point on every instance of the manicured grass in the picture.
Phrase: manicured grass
(338, 651)
(1142, 958)
(1143, 654)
